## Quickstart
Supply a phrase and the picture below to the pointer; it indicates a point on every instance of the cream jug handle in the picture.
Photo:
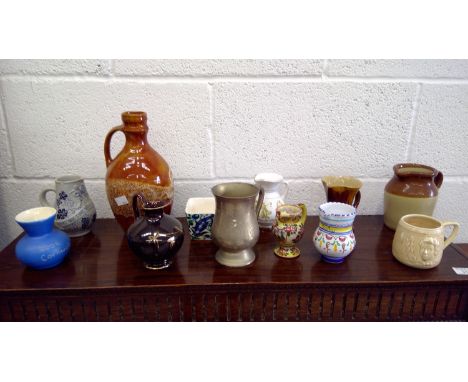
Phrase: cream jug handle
(261, 195)
(42, 197)
(107, 141)
(284, 190)
(453, 235)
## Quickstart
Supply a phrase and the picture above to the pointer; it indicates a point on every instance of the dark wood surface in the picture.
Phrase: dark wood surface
(102, 280)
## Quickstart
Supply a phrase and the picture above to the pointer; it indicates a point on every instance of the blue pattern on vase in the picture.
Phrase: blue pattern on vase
(200, 226)
(62, 196)
(85, 223)
(62, 214)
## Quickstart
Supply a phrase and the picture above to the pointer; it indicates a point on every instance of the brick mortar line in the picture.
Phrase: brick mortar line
(413, 123)
(211, 132)
(15, 179)
(324, 69)
(319, 78)
(112, 68)
(7, 130)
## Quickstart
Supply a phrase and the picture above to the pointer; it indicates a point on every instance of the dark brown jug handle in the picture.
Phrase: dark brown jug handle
(107, 142)
(136, 210)
(357, 199)
(261, 195)
(439, 179)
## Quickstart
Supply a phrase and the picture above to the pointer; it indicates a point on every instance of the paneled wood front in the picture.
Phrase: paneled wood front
(103, 281)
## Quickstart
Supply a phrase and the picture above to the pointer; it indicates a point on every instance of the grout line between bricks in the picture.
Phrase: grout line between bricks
(414, 119)
(211, 132)
(324, 69)
(16, 179)
(7, 130)
(111, 68)
(232, 78)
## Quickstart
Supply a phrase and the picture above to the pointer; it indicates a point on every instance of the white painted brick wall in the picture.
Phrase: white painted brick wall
(192, 68)
(399, 68)
(219, 120)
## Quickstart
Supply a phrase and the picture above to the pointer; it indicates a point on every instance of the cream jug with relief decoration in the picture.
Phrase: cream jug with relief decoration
(419, 240)
(276, 190)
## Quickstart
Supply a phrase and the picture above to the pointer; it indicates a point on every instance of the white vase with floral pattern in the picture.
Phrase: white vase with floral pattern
(276, 190)
(334, 237)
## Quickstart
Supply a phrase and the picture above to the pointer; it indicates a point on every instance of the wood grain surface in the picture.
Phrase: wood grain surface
(102, 280)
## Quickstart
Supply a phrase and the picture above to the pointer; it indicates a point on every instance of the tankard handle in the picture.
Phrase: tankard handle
(261, 195)
(42, 197)
(453, 235)
(107, 142)
(284, 190)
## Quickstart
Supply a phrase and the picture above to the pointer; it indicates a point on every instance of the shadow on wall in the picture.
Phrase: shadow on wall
(8, 227)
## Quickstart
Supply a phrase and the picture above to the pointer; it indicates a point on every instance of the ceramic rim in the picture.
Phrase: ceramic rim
(400, 168)
(68, 179)
(418, 228)
(36, 214)
(269, 177)
(349, 210)
(200, 206)
(342, 181)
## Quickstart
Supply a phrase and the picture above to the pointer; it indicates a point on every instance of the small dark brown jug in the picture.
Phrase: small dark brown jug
(154, 237)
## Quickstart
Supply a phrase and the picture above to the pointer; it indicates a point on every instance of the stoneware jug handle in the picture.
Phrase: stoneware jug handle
(107, 142)
(439, 179)
(261, 195)
(453, 235)
(284, 190)
(136, 210)
(43, 199)
(357, 199)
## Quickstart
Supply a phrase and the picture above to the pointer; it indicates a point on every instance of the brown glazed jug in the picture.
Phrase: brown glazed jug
(137, 169)
(412, 190)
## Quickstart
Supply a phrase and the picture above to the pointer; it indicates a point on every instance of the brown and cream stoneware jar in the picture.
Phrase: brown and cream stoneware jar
(412, 190)
(137, 169)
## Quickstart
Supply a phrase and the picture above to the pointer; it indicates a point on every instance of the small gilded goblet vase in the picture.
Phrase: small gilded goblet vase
(288, 229)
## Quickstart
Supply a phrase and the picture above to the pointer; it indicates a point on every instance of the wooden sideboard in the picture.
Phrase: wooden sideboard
(102, 280)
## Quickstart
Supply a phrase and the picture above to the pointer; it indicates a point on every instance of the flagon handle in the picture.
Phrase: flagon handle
(107, 142)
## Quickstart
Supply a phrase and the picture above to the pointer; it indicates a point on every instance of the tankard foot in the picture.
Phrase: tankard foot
(235, 259)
